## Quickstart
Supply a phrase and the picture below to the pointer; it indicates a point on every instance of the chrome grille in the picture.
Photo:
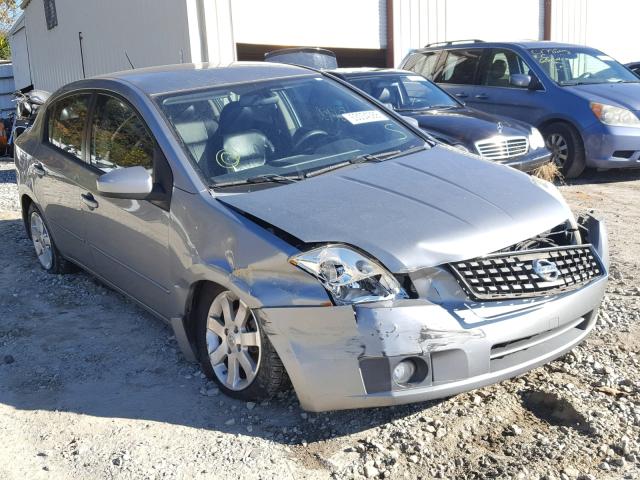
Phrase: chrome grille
(512, 275)
(502, 148)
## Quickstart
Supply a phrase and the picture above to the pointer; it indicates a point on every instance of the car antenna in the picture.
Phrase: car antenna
(130, 62)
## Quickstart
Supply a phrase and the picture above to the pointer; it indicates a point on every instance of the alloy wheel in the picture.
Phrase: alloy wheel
(41, 241)
(233, 341)
(559, 148)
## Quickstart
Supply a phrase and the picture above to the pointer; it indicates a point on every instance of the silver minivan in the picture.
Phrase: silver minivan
(288, 228)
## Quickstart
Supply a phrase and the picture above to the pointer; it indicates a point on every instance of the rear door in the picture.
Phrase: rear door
(58, 171)
(496, 95)
(458, 74)
(128, 238)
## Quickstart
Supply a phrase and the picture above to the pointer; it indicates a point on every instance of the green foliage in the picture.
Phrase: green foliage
(5, 49)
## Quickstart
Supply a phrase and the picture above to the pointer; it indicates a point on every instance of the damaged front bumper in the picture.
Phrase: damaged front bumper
(342, 357)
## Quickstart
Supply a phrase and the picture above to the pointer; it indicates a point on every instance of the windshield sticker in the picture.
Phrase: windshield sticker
(356, 118)
(415, 78)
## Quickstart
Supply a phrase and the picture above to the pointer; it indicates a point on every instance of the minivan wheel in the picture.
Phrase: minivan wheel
(46, 251)
(233, 349)
(566, 149)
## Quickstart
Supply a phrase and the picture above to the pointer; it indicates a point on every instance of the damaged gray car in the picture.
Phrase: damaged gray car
(291, 230)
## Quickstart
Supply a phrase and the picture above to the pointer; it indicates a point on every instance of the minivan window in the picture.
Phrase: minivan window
(285, 127)
(119, 138)
(580, 66)
(66, 123)
(423, 63)
(460, 67)
(500, 66)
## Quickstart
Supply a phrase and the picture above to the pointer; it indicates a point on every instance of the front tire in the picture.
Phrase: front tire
(567, 150)
(46, 251)
(233, 349)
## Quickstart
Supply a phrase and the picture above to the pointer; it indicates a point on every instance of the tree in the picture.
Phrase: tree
(8, 14)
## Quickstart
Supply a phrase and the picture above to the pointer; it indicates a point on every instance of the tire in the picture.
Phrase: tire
(46, 251)
(566, 148)
(260, 373)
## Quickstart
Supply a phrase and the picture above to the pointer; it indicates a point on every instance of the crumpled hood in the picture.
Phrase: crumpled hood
(466, 125)
(416, 211)
(624, 94)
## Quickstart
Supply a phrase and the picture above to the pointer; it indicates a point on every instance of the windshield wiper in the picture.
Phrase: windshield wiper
(367, 157)
(266, 178)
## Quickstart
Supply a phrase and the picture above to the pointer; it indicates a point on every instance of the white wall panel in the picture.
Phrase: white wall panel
(419, 22)
(328, 23)
(20, 58)
(151, 32)
(606, 25)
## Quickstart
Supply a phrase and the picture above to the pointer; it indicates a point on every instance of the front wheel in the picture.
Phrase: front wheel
(233, 350)
(567, 151)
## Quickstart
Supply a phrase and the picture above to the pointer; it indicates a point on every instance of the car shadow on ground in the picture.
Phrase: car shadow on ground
(68, 344)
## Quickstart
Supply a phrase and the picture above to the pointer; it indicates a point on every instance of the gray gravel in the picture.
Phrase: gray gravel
(93, 387)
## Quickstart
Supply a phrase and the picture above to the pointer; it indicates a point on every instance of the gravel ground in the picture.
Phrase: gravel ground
(93, 387)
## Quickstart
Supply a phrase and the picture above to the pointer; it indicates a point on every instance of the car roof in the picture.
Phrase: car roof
(193, 76)
(367, 71)
(526, 44)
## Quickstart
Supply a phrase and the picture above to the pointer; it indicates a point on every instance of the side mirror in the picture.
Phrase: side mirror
(520, 80)
(132, 183)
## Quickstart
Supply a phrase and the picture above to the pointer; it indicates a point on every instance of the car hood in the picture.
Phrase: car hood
(466, 125)
(623, 94)
(417, 211)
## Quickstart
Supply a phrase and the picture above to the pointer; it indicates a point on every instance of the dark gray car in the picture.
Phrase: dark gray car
(288, 227)
(499, 139)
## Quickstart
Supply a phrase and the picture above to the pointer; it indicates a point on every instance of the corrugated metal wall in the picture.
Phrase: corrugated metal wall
(7, 87)
(605, 25)
(419, 22)
(151, 32)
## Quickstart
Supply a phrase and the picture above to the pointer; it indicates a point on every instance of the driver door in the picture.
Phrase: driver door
(128, 239)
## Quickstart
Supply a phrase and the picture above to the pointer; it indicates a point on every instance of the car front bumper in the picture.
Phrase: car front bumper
(341, 357)
(529, 162)
(612, 147)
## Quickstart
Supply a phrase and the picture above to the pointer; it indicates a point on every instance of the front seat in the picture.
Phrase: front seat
(236, 145)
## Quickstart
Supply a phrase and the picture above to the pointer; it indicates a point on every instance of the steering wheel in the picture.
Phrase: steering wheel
(307, 140)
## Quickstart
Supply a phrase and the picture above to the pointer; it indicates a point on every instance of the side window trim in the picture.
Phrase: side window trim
(46, 136)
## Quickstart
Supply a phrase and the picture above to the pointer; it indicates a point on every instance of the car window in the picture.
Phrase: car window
(280, 127)
(119, 137)
(423, 63)
(500, 66)
(404, 92)
(578, 66)
(460, 67)
(66, 123)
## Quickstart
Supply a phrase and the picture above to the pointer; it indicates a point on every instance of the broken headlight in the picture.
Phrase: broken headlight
(349, 276)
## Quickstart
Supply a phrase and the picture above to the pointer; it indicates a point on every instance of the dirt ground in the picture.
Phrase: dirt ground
(91, 386)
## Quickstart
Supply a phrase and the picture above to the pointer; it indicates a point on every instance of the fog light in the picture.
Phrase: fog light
(403, 371)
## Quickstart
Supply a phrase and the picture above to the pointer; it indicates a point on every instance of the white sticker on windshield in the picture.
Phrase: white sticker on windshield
(356, 118)
(605, 58)
(415, 78)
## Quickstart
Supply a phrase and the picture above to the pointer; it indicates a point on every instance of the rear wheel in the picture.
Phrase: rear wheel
(46, 251)
(566, 148)
(233, 350)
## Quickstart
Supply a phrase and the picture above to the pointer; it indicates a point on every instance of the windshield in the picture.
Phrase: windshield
(281, 129)
(404, 92)
(580, 66)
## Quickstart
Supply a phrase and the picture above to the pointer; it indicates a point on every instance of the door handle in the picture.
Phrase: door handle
(461, 95)
(482, 96)
(39, 170)
(89, 201)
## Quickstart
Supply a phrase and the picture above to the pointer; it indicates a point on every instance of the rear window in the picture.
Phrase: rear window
(423, 63)
(460, 67)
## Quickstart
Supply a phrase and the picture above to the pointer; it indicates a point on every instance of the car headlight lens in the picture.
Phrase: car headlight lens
(461, 147)
(535, 139)
(349, 276)
(614, 116)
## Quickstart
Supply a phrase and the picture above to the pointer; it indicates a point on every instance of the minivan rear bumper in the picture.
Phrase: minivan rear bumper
(612, 147)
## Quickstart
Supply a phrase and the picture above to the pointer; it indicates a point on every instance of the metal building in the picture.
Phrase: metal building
(57, 41)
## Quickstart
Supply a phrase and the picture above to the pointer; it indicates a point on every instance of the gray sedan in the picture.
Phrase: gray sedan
(291, 230)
